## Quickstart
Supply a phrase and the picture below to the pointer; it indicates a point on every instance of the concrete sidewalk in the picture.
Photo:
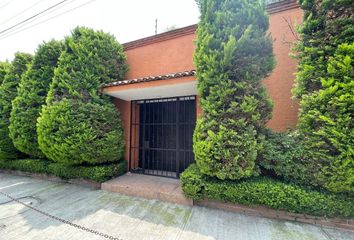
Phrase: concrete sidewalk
(130, 217)
(150, 187)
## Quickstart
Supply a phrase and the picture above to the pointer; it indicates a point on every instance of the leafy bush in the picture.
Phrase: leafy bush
(78, 124)
(8, 92)
(4, 69)
(327, 123)
(192, 182)
(72, 132)
(324, 86)
(268, 192)
(99, 173)
(233, 55)
(31, 96)
(326, 25)
(25, 165)
(282, 156)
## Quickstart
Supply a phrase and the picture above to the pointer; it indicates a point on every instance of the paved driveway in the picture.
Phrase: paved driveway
(131, 218)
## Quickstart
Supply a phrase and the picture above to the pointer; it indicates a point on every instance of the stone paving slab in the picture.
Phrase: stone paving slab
(150, 187)
(132, 217)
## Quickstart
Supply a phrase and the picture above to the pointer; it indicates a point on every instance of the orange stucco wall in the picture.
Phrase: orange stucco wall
(175, 55)
(280, 82)
(124, 109)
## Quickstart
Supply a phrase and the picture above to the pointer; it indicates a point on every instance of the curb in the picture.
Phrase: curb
(52, 178)
(261, 211)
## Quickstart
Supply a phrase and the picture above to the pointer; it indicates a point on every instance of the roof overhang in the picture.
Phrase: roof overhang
(170, 85)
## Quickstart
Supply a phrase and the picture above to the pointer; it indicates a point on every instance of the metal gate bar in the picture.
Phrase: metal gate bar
(164, 128)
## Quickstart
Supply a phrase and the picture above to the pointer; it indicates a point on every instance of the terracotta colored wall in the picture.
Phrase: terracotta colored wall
(174, 55)
(199, 109)
(280, 82)
(177, 55)
(135, 136)
(124, 109)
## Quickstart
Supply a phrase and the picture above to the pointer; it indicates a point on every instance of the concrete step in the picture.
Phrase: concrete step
(150, 187)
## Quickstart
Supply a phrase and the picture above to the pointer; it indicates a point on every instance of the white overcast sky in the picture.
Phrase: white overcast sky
(127, 20)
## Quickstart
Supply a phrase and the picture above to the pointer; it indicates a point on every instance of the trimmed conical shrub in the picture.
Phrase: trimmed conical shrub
(78, 124)
(8, 92)
(31, 96)
(4, 69)
(324, 85)
(233, 54)
(326, 25)
(327, 124)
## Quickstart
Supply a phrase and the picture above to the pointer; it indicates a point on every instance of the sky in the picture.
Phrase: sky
(127, 20)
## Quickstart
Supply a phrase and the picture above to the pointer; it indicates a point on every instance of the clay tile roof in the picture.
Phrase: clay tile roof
(281, 5)
(151, 78)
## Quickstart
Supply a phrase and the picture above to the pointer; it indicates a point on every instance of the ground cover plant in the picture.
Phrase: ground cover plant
(268, 192)
(98, 173)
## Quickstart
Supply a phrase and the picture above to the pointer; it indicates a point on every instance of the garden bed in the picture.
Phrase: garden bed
(263, 191)
(52, 178)
(83, 175)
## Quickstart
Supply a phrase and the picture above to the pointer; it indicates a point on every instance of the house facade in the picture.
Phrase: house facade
(159, 103)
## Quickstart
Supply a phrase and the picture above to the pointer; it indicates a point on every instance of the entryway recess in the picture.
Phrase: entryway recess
(161, 133)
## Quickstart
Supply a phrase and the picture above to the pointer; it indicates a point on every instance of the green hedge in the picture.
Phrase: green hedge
(268, 192)
(282, 157)
(25, 165)
(100, 173)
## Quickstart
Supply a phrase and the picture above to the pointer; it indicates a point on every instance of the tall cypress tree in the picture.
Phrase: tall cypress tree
(8, 92)
(4, 69)
(326, 25)
(233, 54)
(324, 85)
(31, 96)
(78, 124)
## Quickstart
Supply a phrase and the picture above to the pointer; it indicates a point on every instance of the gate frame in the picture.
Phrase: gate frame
(134, 124)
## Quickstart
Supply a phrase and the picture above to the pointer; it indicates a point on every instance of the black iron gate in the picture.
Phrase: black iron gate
(165, 129)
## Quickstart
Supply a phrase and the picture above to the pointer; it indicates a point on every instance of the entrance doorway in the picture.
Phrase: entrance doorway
(164, 128)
